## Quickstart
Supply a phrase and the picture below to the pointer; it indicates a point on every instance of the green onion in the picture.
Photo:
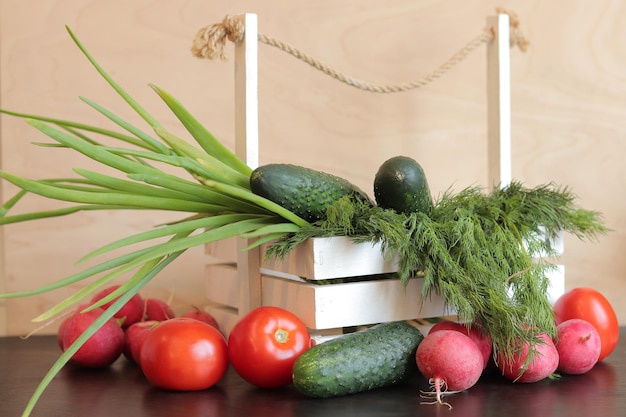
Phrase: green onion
(205, 139)
(211, 187)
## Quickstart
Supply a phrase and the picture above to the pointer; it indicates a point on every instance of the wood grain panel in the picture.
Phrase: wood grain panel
(568, 114)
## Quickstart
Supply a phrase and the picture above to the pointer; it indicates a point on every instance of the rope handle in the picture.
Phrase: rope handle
(210, 43)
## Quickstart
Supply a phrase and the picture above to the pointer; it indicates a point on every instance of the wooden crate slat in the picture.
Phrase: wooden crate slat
(351, 304)
(336, 257)
(222, 251)
(222, 285)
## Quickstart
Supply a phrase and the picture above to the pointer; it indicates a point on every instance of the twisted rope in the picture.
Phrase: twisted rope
(210, 43)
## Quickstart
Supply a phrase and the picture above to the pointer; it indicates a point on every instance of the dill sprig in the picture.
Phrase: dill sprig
(484, 254)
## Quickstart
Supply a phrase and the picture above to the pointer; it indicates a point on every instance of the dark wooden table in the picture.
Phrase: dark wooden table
(122, 391)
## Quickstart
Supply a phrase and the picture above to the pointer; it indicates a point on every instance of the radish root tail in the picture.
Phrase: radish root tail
(439, 389)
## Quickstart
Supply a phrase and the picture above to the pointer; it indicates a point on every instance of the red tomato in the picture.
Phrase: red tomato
(589, 304)
(265, 343)
(184, 354)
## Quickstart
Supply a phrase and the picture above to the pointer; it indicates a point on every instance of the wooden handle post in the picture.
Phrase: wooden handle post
(247, 148)
(499, 102)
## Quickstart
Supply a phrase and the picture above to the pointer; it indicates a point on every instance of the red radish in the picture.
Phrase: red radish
(131, 312)
(102, 348)
(450, 360)
(135, 335)
(201, 315)
(64, 324)
(157, 309)
(480, 337)
(517, 367)
(579, 346)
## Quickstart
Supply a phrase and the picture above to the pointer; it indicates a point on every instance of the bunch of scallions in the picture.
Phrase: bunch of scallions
(478, 251)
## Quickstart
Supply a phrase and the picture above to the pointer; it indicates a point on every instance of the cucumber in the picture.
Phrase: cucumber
(305, 192)
(400, 184)
(379, 356)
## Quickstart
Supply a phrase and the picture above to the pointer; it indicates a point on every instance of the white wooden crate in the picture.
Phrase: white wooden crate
(239, 281)
(292, 285)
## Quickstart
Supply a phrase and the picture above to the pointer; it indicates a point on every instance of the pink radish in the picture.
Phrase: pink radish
(135, 335)
(450, 360)
(102, 348)
(157, 309)
(518, 367)
(578, 346)
(481, 338)
(201, 315)
(65, 323)
(61, 332)
(131, 312)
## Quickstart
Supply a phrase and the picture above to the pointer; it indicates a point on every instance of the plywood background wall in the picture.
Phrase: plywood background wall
(568, 99)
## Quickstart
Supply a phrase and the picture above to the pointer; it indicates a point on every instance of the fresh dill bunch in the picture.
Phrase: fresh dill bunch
(482, 253)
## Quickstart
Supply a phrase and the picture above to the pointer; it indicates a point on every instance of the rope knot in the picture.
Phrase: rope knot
(211, 40)
(516, 36)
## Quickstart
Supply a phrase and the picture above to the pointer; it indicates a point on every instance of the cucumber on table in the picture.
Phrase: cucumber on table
(304, 191)
(379, 356)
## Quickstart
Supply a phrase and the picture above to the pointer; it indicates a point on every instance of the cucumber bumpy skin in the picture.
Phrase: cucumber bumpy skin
(400, 184)
(380, 356)
(305, 192)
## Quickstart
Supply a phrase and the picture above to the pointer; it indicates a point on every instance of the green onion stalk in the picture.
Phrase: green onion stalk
(478, 251)
(212, 190)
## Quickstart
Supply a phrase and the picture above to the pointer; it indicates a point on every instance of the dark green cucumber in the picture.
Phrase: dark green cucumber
(379, 356)
(305, 192)
(400, 184)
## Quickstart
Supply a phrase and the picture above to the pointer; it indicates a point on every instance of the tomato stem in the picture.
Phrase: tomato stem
(281, 336)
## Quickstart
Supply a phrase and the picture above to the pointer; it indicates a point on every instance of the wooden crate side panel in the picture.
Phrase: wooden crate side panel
(222, 286)
(339, 257)
(222, 251)
(336, 257)
(351, 304)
